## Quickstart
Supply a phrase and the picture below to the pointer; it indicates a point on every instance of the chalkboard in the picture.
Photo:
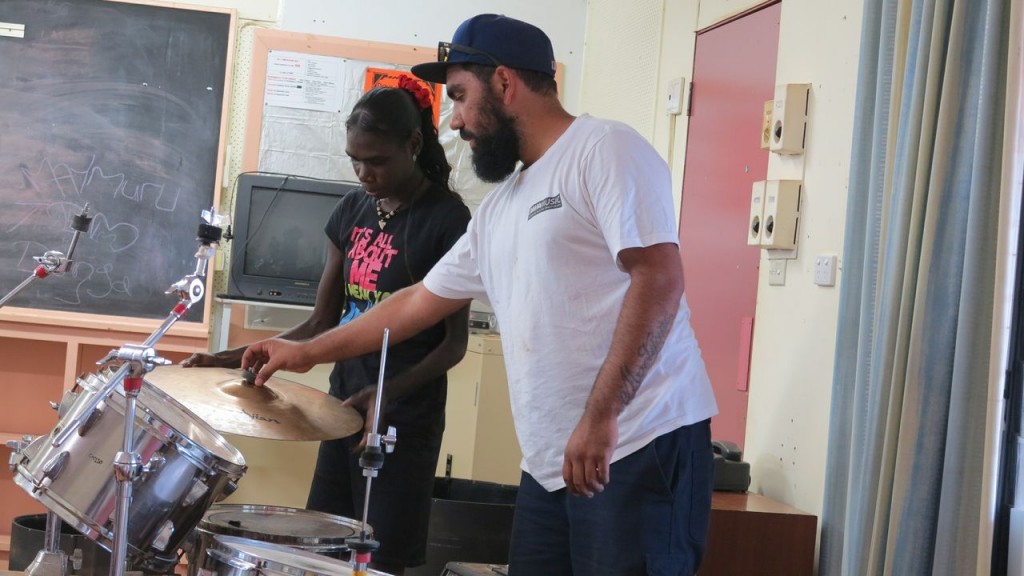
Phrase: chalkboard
(117, 105)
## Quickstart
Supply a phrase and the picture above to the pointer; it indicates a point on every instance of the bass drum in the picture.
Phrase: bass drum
(188, 467)
(309, 530)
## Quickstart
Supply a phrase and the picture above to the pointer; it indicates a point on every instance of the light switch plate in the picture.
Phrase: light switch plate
(675, 96)
(776, 272)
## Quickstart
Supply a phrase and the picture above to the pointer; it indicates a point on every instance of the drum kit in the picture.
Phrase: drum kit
(137, 462)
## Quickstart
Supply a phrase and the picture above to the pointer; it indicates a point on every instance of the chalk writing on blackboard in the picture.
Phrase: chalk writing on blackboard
(117, 105)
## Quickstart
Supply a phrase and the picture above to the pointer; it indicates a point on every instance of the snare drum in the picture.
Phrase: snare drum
(309, 530)
(233, 556)
(187, 467)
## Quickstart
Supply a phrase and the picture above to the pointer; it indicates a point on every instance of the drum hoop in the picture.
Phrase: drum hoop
(306, 542)
(235, 546)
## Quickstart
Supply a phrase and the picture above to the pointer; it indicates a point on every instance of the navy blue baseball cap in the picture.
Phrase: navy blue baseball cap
(492, 40)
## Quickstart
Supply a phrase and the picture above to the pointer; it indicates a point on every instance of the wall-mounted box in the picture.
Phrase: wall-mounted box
(755, 224)
(766, 124)
(789, 118)
(675, 99)
(781, 213)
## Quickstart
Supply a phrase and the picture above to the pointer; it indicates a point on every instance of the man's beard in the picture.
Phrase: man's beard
(496, 154)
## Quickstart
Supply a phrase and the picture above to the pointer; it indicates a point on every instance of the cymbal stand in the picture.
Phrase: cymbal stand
(52, 261)
(51, 560)
(372, 460)
(135, 361)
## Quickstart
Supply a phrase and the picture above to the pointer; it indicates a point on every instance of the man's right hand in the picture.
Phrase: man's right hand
(266, 357)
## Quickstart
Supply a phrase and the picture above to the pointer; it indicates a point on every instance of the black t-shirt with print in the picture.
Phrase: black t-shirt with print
(379, 262)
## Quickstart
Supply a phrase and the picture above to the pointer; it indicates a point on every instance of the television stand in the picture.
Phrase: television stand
(259, 315)
(230, 299)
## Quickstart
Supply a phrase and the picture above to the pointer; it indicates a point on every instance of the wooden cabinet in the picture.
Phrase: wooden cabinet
(41, 353)
(750, 535)
(754, 535)
(479, 434)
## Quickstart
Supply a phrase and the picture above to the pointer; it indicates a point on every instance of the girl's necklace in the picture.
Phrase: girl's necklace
(383, 216)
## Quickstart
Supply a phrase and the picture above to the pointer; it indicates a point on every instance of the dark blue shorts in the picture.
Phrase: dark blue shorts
(650, 520)
(400, 495)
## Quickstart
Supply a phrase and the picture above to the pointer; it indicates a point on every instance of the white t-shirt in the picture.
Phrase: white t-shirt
(542, 251)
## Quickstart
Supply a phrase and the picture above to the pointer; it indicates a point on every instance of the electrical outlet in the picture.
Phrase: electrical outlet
(825, 270)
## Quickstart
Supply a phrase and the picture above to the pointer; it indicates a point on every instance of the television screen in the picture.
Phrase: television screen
(286, 238)
(279, 248)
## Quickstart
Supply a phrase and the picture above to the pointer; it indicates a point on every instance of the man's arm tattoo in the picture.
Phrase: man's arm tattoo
(633, 375)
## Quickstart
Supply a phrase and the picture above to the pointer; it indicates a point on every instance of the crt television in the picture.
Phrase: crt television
(278, 246)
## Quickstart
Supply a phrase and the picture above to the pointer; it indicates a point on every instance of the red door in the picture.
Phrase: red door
(733, 76)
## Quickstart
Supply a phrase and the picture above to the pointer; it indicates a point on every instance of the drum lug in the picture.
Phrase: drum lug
(69, 399)
(163, 538)
(229, 488)
(90, 421)
(198, 490)
(52, 469)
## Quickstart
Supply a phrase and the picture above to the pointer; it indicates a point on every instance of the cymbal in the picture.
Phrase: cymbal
(279, 410)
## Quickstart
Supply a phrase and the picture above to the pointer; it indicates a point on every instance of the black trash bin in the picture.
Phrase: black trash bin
(470, 521)
(28, 537)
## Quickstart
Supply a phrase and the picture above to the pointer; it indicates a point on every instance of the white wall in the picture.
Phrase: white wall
(620, 72)
(265, 10)
(794, 327)
(795, 324)
(419, 24)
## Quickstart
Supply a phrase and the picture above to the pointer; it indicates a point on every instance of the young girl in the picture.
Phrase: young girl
(383, 238)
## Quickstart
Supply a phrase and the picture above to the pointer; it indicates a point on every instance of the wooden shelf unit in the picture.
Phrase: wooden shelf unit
(41, 354)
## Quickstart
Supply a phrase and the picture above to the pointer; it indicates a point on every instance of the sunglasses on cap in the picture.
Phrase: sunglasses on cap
(444, 49)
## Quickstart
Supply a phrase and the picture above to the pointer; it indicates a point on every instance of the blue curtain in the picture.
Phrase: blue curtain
(907, 430)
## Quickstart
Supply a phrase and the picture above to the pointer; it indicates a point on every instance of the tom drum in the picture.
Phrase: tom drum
(187, 467)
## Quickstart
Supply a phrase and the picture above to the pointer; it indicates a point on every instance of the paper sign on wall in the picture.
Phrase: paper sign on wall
(305, 81)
